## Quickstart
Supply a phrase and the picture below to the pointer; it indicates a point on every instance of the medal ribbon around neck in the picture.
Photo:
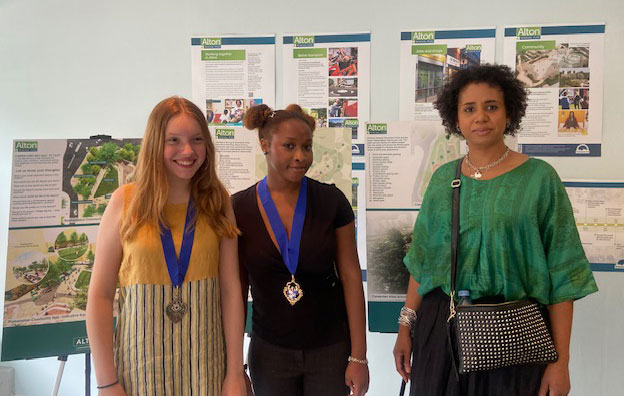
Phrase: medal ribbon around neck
(177, 267)
(289, 248)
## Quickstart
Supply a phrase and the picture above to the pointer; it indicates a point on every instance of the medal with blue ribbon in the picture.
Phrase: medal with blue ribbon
(289, 248)
(177, 267)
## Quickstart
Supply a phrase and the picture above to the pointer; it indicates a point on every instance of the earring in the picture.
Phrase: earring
(265, 152)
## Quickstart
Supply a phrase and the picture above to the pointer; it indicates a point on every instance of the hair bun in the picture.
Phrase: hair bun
(295, 108)
(256, 116)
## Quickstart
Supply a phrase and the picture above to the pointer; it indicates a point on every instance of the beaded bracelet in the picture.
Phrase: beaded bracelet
(108, 385)
(356, 360)
(407, 317)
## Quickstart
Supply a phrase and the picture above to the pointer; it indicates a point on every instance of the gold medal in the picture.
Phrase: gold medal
(176, 308)
(292, 291)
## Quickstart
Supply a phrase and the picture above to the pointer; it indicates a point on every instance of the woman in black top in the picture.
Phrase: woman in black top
(297, 252)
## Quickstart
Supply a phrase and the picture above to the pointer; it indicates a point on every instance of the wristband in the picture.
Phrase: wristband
(108, 385)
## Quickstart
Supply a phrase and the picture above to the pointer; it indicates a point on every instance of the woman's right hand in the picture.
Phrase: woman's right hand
(115, 390)
(403, 352)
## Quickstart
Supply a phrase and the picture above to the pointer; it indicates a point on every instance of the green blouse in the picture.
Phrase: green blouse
(518, 237)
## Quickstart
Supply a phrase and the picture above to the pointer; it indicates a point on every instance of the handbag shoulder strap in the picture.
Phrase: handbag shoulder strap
(455, 184)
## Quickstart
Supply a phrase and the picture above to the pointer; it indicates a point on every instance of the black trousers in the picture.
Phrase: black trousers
(432, 365)
(278, 371)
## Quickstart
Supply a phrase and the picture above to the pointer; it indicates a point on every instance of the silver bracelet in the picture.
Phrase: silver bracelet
(407, 317)
(360, 361)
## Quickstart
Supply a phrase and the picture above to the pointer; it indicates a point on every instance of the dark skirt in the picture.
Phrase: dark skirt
(432, 366)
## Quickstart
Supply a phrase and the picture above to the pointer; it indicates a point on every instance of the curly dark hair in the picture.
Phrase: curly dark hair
(499, 76)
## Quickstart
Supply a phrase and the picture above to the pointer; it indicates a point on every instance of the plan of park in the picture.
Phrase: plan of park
(599, 214)
(437, 150)
(48, 273)
(398, 148)
(92, 172)
(59, 191)
(59, 182)
(332, 158)
(401, 158)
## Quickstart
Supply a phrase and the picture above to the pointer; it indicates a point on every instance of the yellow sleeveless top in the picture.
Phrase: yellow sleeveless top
(143, 258)
(153, 355)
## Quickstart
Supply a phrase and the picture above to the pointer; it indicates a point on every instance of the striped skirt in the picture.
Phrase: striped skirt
(155, 356)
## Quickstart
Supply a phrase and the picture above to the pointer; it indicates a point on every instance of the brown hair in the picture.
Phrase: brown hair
(151, 186)
(267, 120)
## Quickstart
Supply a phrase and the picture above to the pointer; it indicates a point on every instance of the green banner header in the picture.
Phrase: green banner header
(523, 46)
(351, 122)
(223, 55)
(211, 42)
(473, 47)
(303, 41)
(22, 146)
(529, 33)
(299, 53)
(423, 37)
(377, 129)
(437, 49)
(224, 133)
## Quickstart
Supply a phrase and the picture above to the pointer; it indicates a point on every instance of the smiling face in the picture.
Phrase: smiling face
(289, 151)
(184, 149)
(481, 114)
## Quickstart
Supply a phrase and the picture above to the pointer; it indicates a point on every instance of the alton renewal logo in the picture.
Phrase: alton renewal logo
(22, 146)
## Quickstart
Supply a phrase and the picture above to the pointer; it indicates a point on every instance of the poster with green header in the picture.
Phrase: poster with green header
(328, 75)
(393, 201)
(59, 191)
(428, 57)
(562, 69)
(232, 73)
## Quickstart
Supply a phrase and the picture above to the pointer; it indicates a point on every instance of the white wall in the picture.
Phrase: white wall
(73, 68)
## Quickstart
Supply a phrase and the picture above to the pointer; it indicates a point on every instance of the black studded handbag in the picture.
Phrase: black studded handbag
(490, 336)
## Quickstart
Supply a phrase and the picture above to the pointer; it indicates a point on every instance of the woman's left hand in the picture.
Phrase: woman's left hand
(556, 380)
(356, 378)
(235, 385)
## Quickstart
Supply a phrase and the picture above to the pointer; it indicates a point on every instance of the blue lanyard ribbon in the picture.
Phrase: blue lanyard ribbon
(288, 248)
(177, 267)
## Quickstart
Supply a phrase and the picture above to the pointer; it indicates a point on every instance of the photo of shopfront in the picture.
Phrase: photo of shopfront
(429, 77)
(461, 58)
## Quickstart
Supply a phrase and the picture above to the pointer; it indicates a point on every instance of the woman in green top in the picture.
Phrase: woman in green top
(518, 240)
